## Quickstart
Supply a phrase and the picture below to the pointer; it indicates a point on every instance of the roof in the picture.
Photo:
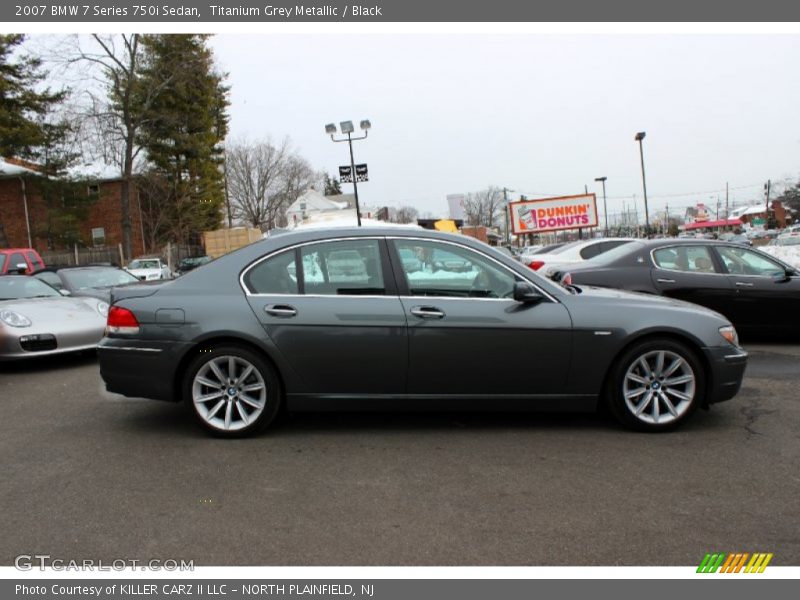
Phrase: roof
(719, 223)
(11, 169)
(758, 209)
(315, 201)
(96, 170)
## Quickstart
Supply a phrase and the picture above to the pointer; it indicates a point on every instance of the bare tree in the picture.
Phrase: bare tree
(484, 207)
(117, 113)
(264, 179)
(298, 177)
(254, 174)
(405, 214)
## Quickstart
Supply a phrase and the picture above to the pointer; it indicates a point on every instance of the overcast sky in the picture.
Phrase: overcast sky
(540, 114)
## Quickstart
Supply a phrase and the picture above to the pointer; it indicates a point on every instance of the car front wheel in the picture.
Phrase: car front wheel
(232, 391)
(656, 385)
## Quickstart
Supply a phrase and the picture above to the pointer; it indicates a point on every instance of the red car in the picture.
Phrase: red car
(20, 260)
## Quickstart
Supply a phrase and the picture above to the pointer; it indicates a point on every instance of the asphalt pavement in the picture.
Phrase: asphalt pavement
(87, 474)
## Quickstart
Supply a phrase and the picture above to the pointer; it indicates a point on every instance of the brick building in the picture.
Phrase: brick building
(101, 228)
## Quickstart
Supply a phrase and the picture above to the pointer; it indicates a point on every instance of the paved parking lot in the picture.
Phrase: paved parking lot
(89, 475)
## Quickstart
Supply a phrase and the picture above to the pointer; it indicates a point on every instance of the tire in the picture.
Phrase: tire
(656, 385)
(224, 403)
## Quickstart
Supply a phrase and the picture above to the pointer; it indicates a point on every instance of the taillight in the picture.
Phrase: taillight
(536, 264)
(121, 320)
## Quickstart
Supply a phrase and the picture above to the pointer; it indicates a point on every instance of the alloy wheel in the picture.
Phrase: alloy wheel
(229, 393)
(659, 387)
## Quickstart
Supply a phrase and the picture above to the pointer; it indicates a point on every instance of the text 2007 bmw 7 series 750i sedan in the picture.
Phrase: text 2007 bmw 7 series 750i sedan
(337, 319)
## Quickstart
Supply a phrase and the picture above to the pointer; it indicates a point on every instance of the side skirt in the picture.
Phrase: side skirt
(409, 402)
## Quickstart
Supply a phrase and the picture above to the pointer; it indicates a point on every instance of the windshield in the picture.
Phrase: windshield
(81, 279)
(606, 258)
(13, 288)
(144, 264)
(194, 261)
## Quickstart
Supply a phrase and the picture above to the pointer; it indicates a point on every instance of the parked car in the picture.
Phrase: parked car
(574, 252)
(755, 291)
(191, 262)
(533, 250)
(36, 320)
(497, 335)
(149, 269)
(89, 281)
(736, 238)
(19, 261)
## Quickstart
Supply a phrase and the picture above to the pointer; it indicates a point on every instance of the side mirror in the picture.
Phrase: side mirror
(782, 276)
(527, 294)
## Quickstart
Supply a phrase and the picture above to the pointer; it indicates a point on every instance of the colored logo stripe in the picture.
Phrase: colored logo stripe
(733, 563)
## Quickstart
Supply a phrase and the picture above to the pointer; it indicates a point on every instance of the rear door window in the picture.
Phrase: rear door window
(690, 259)
(275, 275)
(343, 268)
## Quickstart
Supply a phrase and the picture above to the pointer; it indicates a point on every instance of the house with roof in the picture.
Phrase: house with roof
(23, 213)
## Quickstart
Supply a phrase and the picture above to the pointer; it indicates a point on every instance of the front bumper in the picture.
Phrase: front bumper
(69, 337)
(728, 365)
(141, 369)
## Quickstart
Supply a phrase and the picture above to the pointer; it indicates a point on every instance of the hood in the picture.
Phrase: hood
(143, 272)
(103, 294)
(622, 297)
(55, 310)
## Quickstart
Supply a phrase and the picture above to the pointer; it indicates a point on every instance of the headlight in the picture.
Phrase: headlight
(102, 308)
(729, 333)
(14, 319)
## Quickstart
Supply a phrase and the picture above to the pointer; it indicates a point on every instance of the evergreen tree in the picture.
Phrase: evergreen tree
(332, 186)
(184, 129)
(22, 107)
(66, 200)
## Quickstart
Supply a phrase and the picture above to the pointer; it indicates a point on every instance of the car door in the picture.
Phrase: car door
(692, 272)
(343, 330)
(467, 336)
(762, 301)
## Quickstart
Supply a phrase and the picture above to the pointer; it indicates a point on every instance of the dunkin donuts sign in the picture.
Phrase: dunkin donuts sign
(553, 214)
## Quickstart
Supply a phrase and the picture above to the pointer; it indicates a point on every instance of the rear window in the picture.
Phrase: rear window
(35, 262)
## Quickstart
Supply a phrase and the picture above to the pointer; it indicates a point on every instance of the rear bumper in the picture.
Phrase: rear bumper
(728, 365)
(140, 369)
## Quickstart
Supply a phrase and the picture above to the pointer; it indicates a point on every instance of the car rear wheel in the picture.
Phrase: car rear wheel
(656, 385)
(232, 391)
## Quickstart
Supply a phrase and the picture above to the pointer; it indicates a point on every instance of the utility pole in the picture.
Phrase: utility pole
(507, 212)
(727, 212)
(767, 187)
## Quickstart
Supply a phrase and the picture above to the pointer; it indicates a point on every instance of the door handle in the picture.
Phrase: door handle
(665, 280)
(744, 284)
(281, 310)
(427, 312)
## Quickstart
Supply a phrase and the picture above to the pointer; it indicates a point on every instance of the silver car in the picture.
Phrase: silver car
(37, 320)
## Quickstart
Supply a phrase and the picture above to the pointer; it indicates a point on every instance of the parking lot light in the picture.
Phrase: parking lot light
(347, 128)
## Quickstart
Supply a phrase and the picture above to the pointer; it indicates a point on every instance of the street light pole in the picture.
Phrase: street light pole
(355, 184)
(347, 127)
(605, 207)
(639, 137)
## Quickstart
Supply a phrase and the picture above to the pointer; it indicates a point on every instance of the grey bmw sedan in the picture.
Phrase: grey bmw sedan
(345, 319)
